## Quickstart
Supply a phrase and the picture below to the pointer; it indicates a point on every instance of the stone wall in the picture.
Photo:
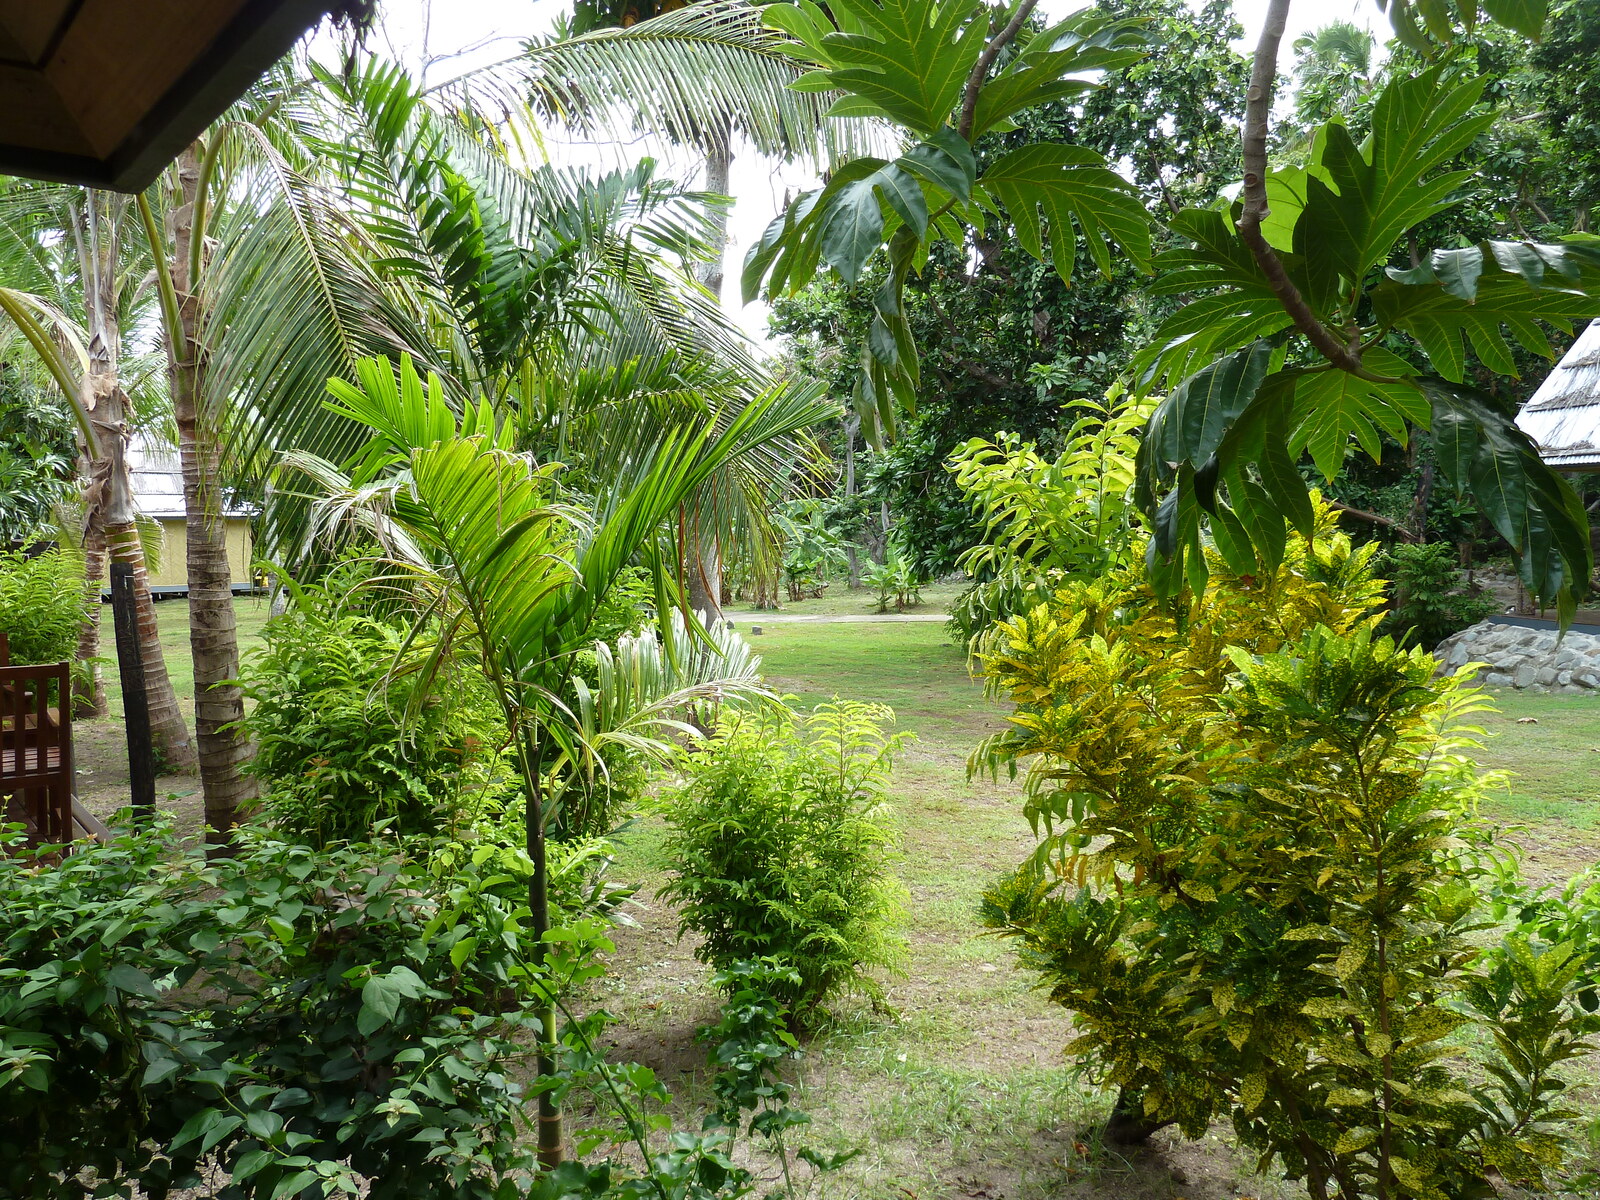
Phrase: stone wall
(1526, 658)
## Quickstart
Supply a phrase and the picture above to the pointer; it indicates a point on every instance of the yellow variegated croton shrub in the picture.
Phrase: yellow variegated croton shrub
(1257, 886)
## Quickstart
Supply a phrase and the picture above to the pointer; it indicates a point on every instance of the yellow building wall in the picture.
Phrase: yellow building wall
(174, 568)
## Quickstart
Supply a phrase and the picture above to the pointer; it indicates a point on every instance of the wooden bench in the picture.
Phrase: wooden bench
(36, 749)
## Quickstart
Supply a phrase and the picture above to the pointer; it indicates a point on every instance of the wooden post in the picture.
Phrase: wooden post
(136, 709)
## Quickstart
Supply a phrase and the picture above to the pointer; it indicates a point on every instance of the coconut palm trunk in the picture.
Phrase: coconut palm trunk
(110, 489)
(222, 748)
(703, 568)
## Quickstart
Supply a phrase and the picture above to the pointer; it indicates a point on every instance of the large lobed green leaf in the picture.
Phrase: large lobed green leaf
(905, 60)
(1069, 184)
(909, 62)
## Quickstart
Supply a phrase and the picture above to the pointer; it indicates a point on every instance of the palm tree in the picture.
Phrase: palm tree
(1334, 70)
(67, 251)
(702, 75)
(345, 215)
(505, 279)
(515, 574)
(235, 199)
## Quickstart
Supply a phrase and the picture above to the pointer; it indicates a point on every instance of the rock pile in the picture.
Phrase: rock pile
(1526, 658)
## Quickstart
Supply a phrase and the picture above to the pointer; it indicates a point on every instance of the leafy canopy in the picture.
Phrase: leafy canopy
(924, 65)
(1297, 333)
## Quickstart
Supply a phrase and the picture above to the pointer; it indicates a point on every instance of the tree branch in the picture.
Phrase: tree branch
(1257, 111)
(980, 69)
(975, 369)
(1402, 531)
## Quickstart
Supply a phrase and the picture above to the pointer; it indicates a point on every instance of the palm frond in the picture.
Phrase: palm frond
(686, 74)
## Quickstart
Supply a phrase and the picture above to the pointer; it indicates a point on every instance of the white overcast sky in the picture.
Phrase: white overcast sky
(478, 32)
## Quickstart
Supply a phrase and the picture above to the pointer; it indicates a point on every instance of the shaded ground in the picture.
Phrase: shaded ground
(101, 745)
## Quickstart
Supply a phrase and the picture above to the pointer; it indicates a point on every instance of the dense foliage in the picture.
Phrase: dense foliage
(780, 847)
(335, 1022)
(1005, 344)
(1297, 325)
(41, 604)
(298, 1017)
(36, 457)
(1261, 887)
(1046, 521)
(350, 732)
(1430, 601)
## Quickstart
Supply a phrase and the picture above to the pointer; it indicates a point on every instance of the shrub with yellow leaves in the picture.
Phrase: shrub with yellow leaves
(1261, 880)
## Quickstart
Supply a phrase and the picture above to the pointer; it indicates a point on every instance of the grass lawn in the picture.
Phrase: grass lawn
(1551, 745)
(839, 601)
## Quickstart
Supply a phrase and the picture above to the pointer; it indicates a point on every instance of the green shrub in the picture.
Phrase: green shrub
(895, 580)
(1045, 520)
(296, 1017)
(346, 740)
(41, 604)
(1570, 918)
(38, 451)
(780, 846)
(626, 609)
(1262, 888)
(315, 1023)
(1431, 601)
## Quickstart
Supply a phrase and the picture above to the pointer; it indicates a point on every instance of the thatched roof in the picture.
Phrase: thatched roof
(1563, 416)
(107, 92)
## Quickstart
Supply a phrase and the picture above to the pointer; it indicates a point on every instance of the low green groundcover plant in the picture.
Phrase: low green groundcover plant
(780, 846)
(1262, 888)
(303, 1023)
(298, 1018)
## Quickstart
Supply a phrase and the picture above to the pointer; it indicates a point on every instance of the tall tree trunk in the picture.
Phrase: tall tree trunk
(704, 553)
(89, 685)
(110, 491)
(852, 426)
(705, 579)
(213, 629)
(113, 490)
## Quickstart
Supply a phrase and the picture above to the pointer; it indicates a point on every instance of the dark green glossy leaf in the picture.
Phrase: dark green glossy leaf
(1481, 451)
(945, 161)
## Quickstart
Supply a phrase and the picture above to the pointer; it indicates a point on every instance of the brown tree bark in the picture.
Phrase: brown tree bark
(223, 749)
(109, 494)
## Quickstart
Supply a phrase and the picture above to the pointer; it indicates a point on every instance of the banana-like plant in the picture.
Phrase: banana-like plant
(514, 577)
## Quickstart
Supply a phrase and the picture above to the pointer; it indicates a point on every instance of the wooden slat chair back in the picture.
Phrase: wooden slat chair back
(36, 749)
